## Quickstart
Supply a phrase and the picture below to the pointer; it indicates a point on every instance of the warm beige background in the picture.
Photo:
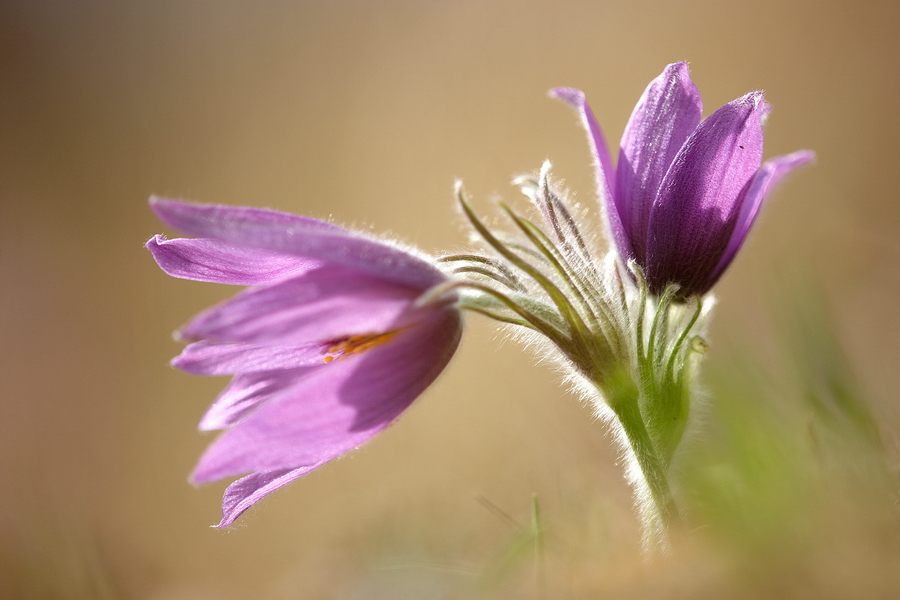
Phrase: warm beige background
(365, 112)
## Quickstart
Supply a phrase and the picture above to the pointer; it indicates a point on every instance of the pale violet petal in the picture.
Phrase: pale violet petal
(210, 220)
(228, 358)
(215, 261)
(290, 234)
(248, 390)
(324, 304)
(248, 490)
(336, 407)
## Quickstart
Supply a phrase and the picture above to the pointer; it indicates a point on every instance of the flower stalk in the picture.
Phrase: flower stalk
(678, 205)
(624, 398)
(625, 349)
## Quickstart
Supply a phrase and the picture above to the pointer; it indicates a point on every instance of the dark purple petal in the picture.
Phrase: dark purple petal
(247, 491)
(616, 214)
(336, 407)
(325, 304)
(699, 201)
(246, 391)
(299, 236)
(220, 262)
(210, 358)
(665, 116)
(771, 172)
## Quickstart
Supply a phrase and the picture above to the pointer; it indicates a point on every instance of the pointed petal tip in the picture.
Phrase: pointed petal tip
(756, 100)
(175, 362)
(155, 242)
(679, 74)
(198, 477)
(182, 337)
(572, 96)
(803, 157)
(227, 521)
(207, 424)
(157, 200)
(159, 203)
(250, 489)
(781, 165)
(679, 68)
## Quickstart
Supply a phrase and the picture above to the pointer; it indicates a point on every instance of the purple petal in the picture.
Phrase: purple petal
(771, 172)
(576, 99)
(246, 391)
(299, 236)
(208, 220)
(210, 358)
(327, 303)
(247, 491)
(220, 262)
(616, 215)
(700, 197)
(665, 116)
(337, 407)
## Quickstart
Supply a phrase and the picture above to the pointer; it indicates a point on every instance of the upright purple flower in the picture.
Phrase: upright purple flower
(685, 192)
(328, 346)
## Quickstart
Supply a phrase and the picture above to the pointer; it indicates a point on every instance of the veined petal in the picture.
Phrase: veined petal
(205, 259)
(667, 113)
(324, 304)
(211, 358)
(337, 407)
(299, 236)
(247, 491)
(617, 215)
(210, 220)
(700, 197)
(246, 391)
(771, 172)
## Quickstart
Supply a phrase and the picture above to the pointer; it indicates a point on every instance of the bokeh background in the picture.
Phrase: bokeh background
(365, 113)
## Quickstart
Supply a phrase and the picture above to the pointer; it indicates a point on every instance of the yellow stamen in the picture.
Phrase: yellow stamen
(356, 344)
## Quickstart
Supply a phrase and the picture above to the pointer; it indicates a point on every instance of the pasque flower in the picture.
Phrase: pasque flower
(332, 341)
(679, 204)
(685, 192)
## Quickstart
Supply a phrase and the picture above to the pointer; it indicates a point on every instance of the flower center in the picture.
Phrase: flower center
(356, 344)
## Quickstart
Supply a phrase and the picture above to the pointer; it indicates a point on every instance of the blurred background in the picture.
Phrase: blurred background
(365, 113)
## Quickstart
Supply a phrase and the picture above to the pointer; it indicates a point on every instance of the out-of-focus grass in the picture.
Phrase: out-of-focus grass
(790, 482)
(787, 440)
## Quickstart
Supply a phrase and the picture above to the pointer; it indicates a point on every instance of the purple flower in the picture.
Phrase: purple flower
(685, 192)
(329, 345)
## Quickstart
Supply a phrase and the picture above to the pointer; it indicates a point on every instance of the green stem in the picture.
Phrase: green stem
(624, 402)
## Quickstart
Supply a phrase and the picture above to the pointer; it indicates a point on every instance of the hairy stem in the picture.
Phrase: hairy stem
(623, 399)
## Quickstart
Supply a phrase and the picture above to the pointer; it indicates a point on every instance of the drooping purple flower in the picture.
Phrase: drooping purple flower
(684, 192)
(327, 347)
